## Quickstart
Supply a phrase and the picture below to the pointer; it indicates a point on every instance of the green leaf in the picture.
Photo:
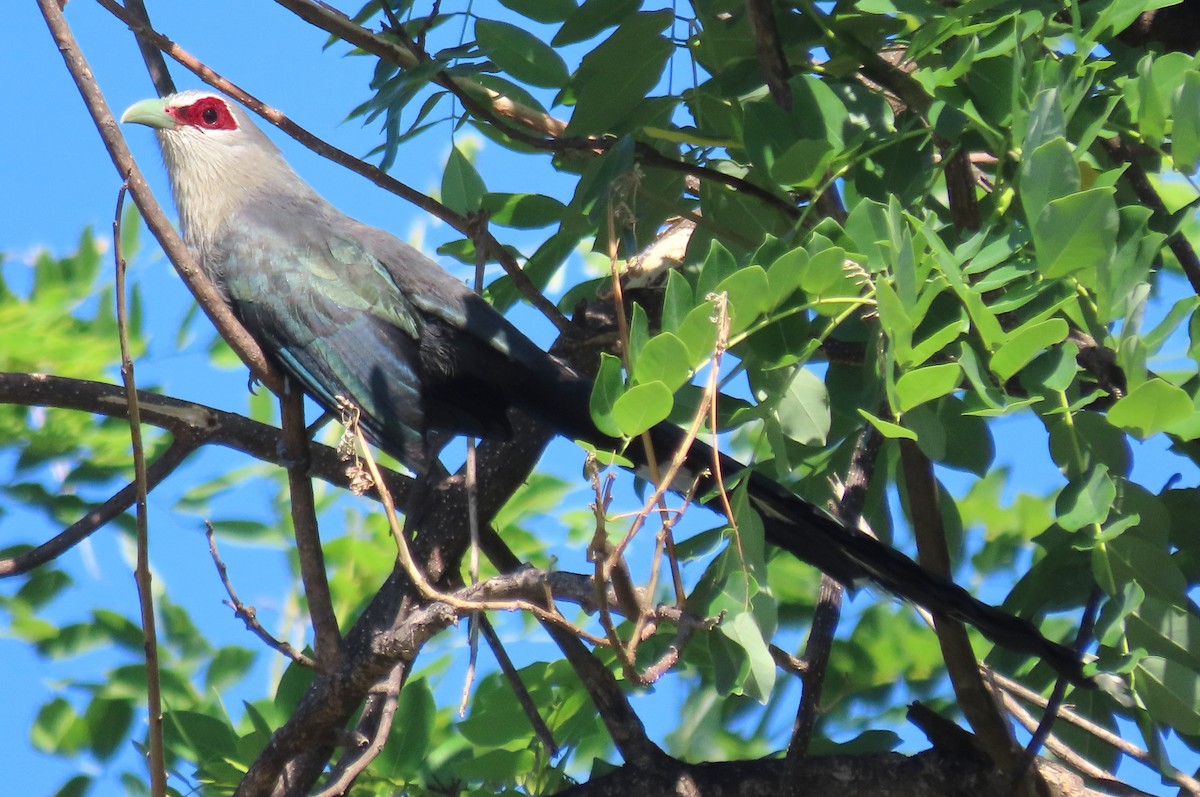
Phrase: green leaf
(802, 407)
(677, 302)
(1171, 692)
(641, 407)
(1166, 630)
(892, 431)
(1048, 173)
(607, 390)
(1025, 344)
(609, 83)
(108, 723)
(521, 54)
(664, 359)
(741, 628)
(1076, 232)
(699, 333)
(1083, 503)
(786, 273)
(803, 163)
(522, 211)
(1152, 407)
(57, 728)
(926, 384)
(204, 735)
(228, 666)
(462, 187)
(546, 11)
(75, 787)
(409, 741)
(1046, 119)
(749, 294)
(719, 265)
(592, 17)
(1185, 134)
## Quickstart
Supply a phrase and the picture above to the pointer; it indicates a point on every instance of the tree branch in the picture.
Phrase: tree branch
(326, 636)
(246, 613)
(769, 51)
(976, 702)
(191, 425)
(829, 605)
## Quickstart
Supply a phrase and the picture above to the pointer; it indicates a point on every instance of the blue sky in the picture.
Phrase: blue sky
(59, 179)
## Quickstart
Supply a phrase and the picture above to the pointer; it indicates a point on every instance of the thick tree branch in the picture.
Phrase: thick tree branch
(395, 624)
(868, 775)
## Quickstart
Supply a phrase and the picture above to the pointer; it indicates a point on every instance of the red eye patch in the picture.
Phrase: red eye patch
(208, 113)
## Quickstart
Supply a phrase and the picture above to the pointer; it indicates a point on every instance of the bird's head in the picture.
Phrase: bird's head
(217, 159)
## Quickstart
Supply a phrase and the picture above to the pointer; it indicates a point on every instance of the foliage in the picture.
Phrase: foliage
(866, 288)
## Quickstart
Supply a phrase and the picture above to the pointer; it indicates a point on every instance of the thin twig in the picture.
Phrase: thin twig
(157, 756)
(247, 614)
(1052, 742)
(540, 728)
(1082, 637)
(819, 646)
(479, 222)
(413, 571)
(1187, 782)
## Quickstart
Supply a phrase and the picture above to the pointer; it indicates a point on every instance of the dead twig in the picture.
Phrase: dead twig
(157, 755)
(247, 614)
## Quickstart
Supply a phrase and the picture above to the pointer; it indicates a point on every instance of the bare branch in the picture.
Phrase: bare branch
(157, 756)
(829, 604)
(543, 732)
(769, 51)
(247, 614)
(326, 636)
(381, 712)
(156, 65)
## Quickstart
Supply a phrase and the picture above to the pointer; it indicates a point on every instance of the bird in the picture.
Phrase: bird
(349, 311)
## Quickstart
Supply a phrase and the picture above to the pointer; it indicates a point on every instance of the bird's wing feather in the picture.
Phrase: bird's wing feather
(335, 321)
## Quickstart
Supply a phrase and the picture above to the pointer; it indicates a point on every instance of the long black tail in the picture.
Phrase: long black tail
(810, 534)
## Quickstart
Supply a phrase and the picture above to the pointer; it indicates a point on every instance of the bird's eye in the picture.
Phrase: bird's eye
(209, 115)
